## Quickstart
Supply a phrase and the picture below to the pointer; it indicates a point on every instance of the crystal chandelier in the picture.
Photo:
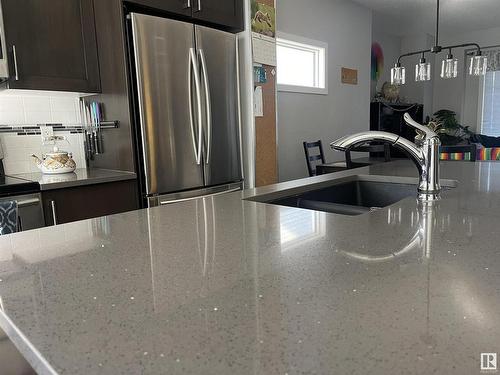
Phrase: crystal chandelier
(449, 66)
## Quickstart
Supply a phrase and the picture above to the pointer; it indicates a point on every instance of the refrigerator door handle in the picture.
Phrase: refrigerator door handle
(208, 104)
(190, 100)
(194, 70)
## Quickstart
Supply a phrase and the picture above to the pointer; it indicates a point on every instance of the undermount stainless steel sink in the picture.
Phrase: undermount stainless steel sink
(349, 196)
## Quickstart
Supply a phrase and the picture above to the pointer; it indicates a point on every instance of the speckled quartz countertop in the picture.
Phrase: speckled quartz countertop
(80, 177)
(223, 285)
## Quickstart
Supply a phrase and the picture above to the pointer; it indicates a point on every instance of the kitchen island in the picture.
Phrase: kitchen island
(222, 285)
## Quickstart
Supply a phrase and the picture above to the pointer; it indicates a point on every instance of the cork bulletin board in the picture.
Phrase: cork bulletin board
(266, 160)
(266, 169)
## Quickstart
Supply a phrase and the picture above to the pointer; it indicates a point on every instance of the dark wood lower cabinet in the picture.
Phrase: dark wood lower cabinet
(85, 202)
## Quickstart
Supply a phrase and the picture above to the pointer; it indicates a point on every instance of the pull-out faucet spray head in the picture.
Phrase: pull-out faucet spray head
(425, 156)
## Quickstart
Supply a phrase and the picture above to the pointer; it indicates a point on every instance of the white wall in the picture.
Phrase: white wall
(418, 92)
(391, 46)
(346, 27)
(450, 94)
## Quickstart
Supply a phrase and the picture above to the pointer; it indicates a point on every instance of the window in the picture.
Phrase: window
(490, 123)
(301, 64)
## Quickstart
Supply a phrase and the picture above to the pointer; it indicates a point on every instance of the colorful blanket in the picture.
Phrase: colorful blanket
(482, 154)
(488, 153)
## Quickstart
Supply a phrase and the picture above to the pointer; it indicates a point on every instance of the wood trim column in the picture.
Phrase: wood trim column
(266, 155)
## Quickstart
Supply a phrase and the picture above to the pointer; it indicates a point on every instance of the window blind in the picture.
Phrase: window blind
(490, 124)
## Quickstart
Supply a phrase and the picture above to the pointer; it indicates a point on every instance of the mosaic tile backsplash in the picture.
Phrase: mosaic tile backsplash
(35, 110)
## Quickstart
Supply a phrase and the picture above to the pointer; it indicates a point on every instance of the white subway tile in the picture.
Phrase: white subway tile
(61, 103)
(11, 103)
(17, 154)
(12, 118)
(12, 140)
(36, 103)
(16, 167)
(38, 117)
(32, 141)
(64, 117)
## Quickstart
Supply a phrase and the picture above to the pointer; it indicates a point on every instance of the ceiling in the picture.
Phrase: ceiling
(408, 17)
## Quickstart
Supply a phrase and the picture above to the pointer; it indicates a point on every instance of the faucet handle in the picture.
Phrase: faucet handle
(424, 129)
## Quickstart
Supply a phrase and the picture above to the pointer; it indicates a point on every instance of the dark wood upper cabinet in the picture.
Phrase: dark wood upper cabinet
(223, 14)
(227, 13)
(52, 43)
(181, 7)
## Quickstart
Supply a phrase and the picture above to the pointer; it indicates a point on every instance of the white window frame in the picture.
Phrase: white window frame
(320, 49)
(482, 93)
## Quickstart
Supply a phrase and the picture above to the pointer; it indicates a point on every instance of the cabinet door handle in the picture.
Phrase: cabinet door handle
(54, 213)
(16, 73)
(199, 6)
(187, 4)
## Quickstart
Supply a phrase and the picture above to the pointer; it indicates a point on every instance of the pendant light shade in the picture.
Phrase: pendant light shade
(398, 75)
(422, 71)
(478, 65)
(449, 67)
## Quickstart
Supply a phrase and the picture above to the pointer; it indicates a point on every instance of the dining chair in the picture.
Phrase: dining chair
(384, 148)
(314, 156)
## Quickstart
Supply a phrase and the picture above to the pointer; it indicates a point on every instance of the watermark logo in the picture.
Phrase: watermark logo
(489, 362)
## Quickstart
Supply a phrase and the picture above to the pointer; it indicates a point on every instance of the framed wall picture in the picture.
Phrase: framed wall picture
(263, 19)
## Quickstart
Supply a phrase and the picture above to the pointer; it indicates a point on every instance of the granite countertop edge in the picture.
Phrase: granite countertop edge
(80, 177)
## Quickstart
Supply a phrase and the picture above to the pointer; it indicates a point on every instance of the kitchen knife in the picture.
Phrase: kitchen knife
(99, 133)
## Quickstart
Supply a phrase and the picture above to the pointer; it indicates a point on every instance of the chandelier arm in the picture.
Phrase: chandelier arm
(412, 54)
(437, 25)
(435, 50)
(477, 46)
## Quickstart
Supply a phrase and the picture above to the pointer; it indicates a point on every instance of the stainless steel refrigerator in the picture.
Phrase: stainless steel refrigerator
(187, 105)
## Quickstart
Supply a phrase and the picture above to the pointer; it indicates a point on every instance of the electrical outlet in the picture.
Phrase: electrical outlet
(47, 132)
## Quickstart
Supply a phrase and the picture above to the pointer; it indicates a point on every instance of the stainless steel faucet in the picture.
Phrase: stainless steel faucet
(425, 155)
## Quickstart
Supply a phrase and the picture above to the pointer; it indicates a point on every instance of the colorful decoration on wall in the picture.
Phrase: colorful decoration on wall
(377, 61)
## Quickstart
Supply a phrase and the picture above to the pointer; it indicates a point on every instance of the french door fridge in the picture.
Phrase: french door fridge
(187, 101)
